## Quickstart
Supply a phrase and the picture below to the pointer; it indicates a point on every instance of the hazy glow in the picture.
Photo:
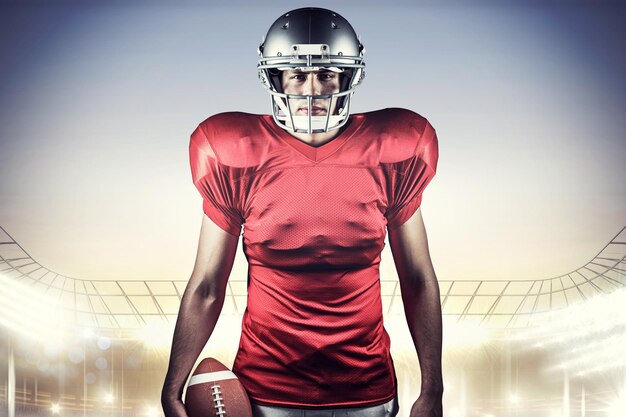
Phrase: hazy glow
(156, 335)
(55, 408)
(31, 313)
(463, 335)
(587, 337)
(600, 314)
(618, 406)
(152, 412)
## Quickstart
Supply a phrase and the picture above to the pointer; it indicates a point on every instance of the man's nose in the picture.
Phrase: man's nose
(311, 86)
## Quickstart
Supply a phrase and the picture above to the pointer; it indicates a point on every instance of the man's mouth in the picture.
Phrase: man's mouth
(315, 110)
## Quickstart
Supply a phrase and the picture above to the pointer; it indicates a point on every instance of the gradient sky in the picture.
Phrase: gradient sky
(97, 104)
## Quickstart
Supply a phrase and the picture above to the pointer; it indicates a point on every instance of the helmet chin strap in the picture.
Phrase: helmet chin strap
(309, 123)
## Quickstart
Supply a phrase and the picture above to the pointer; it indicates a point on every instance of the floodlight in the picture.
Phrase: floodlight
(33, 313)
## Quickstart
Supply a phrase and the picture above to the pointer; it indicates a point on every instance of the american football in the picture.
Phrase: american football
(215, 391)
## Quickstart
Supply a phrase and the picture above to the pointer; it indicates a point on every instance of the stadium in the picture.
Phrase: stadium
(544, 347)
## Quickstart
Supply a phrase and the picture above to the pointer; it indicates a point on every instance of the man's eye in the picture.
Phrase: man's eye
(326, 76)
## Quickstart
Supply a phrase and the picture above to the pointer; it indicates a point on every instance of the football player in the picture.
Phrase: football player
(316, 189)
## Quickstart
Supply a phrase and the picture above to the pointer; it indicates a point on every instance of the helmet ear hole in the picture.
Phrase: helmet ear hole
(275, 78)
(345, 82)
(346, 79)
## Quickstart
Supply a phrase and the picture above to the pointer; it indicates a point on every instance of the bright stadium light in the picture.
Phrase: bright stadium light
(585, 338)
(596, 316)
(108, 398)
(55, 408)
(597, 354)
(30, 312)
(89, 333)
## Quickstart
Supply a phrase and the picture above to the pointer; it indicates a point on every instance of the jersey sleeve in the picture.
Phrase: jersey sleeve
(411, 178)
(214, 185)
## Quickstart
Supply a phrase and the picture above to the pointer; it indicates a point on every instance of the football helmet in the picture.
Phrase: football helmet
(311, 39)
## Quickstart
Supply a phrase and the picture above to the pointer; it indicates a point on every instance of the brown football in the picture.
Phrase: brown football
(214, 391)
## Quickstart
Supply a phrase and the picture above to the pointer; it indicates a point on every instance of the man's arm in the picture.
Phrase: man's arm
(200, 308)
(420, 296)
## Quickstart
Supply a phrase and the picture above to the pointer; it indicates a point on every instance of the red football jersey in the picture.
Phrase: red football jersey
(314, 227)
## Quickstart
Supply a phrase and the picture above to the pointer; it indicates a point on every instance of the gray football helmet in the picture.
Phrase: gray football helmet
(311, 39)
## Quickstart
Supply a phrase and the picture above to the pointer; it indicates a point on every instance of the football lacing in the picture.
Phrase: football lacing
(218, 400)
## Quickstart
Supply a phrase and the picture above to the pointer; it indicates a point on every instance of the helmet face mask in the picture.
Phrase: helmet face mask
(311, 40)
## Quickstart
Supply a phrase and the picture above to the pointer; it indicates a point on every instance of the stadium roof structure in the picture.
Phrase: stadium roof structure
(120, 305)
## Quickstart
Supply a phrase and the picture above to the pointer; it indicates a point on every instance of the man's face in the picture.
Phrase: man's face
(310, 83)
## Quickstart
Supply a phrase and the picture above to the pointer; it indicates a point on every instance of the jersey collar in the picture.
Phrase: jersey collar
(316, 153)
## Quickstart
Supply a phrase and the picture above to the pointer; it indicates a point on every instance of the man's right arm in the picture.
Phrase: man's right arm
(200, 308)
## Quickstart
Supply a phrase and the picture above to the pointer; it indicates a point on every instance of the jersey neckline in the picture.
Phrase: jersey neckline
(319, 153)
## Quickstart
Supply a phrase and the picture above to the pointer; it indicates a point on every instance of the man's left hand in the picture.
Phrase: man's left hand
(427, 406)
